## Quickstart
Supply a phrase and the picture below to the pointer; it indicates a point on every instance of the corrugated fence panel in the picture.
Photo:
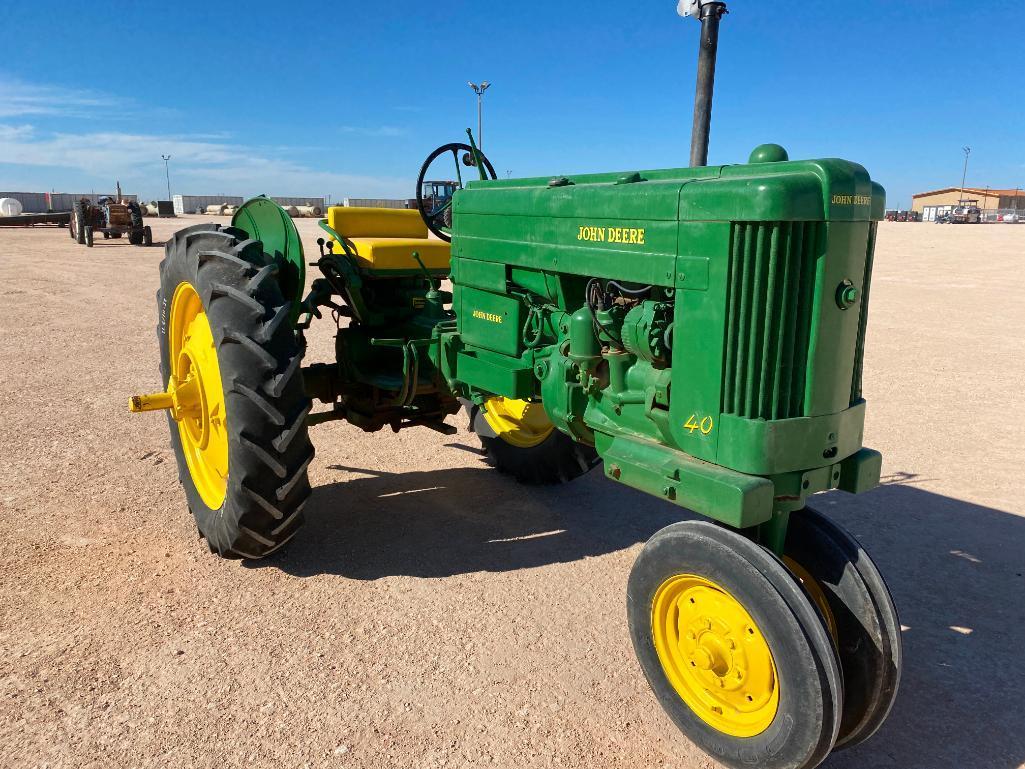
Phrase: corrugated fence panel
(189, 204)
(31, 202)
(35, 202)
(319, 202)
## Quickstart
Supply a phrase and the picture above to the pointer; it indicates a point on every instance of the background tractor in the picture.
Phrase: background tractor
(112, 217)
(698, 332)
(966, 212)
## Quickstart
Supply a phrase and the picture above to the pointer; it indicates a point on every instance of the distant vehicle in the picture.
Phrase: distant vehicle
(891, 215)
(113, 217)
(437, 197)
(914, 216)
(1010, 218)
(902, 216)
(967, 212)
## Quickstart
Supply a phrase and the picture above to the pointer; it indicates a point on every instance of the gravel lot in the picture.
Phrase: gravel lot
(432, 612)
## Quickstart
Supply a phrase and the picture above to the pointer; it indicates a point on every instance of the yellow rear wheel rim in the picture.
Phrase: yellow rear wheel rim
(714, 655)
(199, 396)
(520, 423)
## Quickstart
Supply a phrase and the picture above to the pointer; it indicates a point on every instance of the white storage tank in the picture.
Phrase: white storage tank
(10, 207)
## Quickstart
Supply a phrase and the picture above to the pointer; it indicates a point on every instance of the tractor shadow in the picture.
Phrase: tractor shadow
(441, 523)
(954, 568)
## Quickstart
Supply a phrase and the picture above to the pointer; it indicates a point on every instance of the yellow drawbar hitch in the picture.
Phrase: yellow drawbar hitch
(181, 398)
(154, 402)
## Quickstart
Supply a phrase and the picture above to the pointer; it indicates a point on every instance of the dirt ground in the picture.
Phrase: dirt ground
(433, 613)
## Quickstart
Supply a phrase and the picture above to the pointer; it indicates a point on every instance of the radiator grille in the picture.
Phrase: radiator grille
(768, 322)
(859, 351)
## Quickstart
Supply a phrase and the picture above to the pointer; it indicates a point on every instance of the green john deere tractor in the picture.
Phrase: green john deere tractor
(698, 332)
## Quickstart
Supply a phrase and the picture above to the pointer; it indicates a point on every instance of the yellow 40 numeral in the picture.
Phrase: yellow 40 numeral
(705, 425)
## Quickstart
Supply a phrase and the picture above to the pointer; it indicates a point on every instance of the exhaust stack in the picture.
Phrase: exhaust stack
(709, 14)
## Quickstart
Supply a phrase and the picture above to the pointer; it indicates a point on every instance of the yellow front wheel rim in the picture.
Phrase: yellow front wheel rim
(198, 396)
(714, 655)
(520, 423)
(817, 595)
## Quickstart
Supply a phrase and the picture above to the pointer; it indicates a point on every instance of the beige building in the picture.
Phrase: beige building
(929, 204)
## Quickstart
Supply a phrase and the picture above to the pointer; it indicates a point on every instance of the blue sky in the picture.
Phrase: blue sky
(251, 97)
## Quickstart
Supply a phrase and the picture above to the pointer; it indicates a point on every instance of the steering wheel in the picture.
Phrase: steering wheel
(436, 207)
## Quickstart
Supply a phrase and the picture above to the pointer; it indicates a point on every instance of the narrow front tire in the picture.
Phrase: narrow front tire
(844, 583)
(734, 651)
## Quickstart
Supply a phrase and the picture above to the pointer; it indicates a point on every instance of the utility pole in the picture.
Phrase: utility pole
(967, 151)
(479, 90)
(167, 174)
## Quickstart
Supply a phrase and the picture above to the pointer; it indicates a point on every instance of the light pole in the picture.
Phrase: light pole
(479, 90)
(167, 174)
(967, 151)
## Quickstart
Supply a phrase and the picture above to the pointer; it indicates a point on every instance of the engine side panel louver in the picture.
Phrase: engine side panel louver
(859, 351)
(770, 304)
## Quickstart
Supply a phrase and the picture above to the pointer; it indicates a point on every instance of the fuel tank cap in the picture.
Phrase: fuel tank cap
(768, 153)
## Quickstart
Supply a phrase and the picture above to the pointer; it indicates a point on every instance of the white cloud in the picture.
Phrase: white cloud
(20, 99)
(199, 165)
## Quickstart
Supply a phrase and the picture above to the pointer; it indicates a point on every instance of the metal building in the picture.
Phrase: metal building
(378, 203)
(190, 204)
(993, 202)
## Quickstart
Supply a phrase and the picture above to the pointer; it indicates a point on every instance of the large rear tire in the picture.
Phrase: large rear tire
(243, 457)
(135, 235)
(519, 440)
(733, 649)
(842, 580)
(77, 222)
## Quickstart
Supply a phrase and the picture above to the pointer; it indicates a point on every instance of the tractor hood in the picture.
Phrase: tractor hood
(627, 220)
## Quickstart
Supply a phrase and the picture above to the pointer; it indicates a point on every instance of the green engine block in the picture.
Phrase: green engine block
(703, 328)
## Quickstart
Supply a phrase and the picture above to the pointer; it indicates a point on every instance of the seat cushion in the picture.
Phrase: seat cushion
(376, 222)
(385, 238)
(379, 254)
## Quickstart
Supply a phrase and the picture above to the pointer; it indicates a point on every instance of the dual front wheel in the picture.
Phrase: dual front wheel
(759, 660)
(759, 663)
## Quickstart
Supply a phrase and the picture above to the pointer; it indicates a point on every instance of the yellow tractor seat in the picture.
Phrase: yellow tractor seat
(385, 238)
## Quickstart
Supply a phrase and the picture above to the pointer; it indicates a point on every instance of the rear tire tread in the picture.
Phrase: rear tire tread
(269, 454)
(557, 459)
